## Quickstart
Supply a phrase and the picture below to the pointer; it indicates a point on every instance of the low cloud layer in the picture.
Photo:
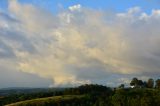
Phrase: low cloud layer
(80, 45)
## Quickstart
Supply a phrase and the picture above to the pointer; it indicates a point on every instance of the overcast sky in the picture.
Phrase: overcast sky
(46, 43)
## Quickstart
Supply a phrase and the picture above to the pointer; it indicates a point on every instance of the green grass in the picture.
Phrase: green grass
(48, 100)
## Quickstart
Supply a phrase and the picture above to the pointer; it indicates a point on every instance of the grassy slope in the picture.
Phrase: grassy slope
(46, 100)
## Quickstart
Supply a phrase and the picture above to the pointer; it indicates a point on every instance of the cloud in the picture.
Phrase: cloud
(75, 7)
(88, 46)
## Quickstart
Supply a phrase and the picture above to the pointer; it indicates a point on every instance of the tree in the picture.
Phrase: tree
(158, 83)
(137, 83)
(145, 84)
(121, 86)
(134, 82)
(140, 83)
(150, 83)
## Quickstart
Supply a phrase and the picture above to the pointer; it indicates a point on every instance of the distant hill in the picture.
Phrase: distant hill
(25, 90)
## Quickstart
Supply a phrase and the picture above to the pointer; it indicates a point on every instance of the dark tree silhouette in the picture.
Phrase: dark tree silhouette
(150, 83)
(134, 82)
(158, 83)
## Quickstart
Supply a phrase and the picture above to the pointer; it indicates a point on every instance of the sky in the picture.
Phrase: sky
(63, 43)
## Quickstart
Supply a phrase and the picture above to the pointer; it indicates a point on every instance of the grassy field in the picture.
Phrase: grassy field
(48, 100)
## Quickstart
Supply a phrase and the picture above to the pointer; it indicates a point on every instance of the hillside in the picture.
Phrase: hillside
(90, 95)
(56, 100)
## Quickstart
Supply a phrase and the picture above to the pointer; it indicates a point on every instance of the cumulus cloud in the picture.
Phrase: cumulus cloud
(77, 47)
(75, 7)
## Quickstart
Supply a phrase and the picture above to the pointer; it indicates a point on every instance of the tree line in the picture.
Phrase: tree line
(145, 84)
(144, 93)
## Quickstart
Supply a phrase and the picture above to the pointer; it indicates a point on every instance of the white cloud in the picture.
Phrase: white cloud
(82, 46)
(75, 7)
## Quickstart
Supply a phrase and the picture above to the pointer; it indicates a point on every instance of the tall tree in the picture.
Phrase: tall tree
(150, 83)
(121, 86)
(140, 83)
(134, 82)
(145, 84)
(158, 83)
(137, 83)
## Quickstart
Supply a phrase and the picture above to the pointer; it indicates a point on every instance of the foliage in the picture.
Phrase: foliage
(144, 94)
(157, 83)
(150, 83)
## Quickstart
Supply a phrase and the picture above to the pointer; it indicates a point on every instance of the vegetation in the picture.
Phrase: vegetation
(143, 93)
(51, 101)
(16, 97)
